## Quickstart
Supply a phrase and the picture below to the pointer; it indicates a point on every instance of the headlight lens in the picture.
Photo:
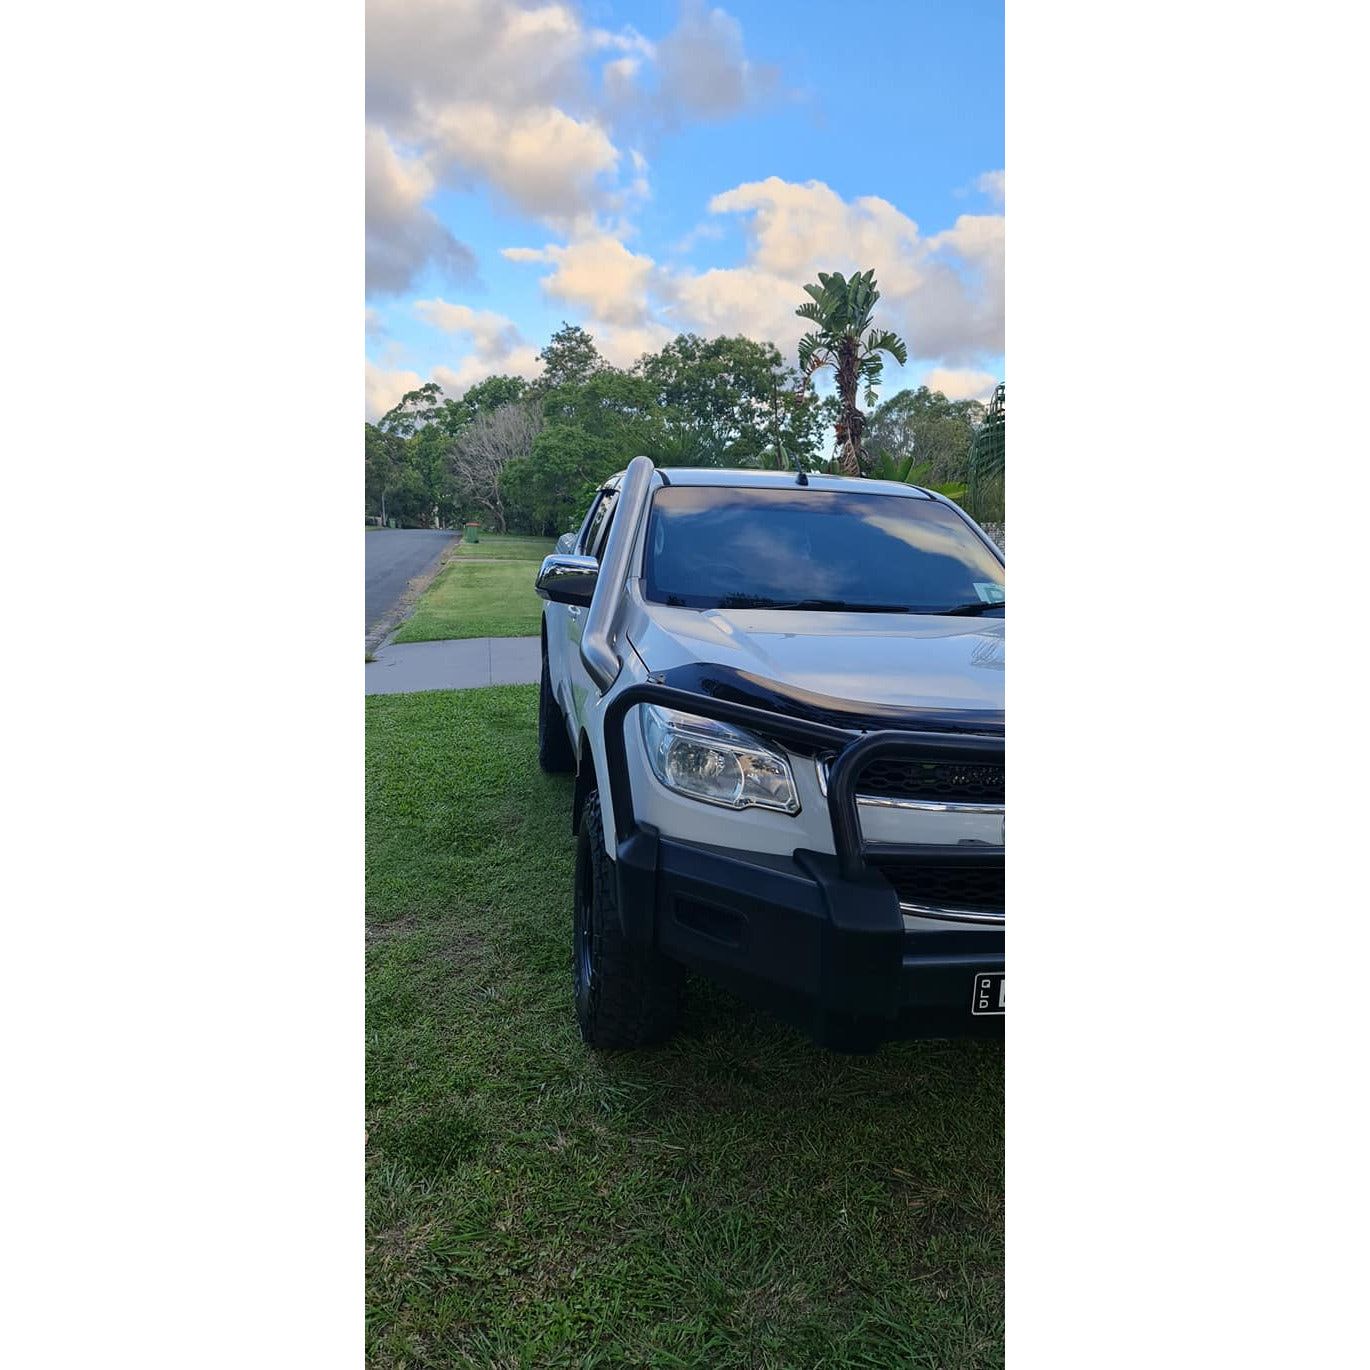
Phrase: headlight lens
(712, 761)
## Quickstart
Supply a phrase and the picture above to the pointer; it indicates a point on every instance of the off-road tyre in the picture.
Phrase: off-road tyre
(555, 755)
(626, 995)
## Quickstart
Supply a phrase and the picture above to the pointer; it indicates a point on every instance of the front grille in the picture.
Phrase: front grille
(979, 888)
(945, 782)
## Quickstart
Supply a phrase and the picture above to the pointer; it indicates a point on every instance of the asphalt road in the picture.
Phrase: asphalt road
(394, 556)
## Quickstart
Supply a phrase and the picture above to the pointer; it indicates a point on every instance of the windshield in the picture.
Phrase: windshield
(712, 547)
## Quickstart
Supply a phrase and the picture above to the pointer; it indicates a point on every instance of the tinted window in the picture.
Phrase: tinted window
(711, 547)
(596, 523)
(601, 537)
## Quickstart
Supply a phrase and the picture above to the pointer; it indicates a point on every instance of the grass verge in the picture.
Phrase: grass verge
(476, 598)
(499, 546)
(734, 1198)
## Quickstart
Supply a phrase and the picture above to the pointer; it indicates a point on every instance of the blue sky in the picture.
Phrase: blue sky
(650, 168)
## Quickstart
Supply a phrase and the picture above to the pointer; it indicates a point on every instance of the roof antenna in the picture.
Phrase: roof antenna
(801, 476)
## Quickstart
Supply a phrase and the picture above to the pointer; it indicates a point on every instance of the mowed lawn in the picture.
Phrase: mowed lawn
(485, 590)
(736, 1197)
(476, 598)
(494, 546)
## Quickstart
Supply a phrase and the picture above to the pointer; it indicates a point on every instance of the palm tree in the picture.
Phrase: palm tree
(842, 310)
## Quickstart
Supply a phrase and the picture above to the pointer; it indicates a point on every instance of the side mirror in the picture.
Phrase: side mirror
(568, 580)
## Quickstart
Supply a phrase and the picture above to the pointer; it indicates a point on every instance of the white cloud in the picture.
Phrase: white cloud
(703, 69)
(434, 51)
(385, 389)
(798, 229)
(501, 94)
(991, 183)
(732, 300)
(457, 379)
(961, 385)
(975, 237)
(597, 275)
(943, 294)
(492, 334)
(402, 237)
(497, 93)
(620, 78)
(498, 348)
(547, 163)
(623, 346)
(522, 98)
(626, 40)
(964, 305)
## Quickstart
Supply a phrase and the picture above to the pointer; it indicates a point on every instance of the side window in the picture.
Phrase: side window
(598, 530)
(602, 535)
(588, 527)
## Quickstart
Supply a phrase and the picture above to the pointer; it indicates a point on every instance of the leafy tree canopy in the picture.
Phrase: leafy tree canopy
(719, 399)
(570, 358)
(529, 455)
(926, 426)
(414, 411)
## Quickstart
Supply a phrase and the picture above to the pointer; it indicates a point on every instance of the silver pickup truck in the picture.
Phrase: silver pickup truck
(782, 696)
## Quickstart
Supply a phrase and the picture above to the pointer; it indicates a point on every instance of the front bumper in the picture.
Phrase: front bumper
(819, 939)
(795, 935)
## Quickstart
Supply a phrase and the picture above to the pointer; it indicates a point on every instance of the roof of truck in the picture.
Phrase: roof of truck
(737, 476)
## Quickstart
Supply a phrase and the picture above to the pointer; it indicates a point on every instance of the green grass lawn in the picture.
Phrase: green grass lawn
(476, 598)
(494, 546)
(734, 1198)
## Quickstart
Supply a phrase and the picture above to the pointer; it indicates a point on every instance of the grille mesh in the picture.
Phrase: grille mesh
(978, 888)
(939, 781)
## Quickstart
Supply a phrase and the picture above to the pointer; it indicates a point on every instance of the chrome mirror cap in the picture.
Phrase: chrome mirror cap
(568, 579)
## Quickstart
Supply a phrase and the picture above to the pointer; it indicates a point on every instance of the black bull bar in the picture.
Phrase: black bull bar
(851, 748)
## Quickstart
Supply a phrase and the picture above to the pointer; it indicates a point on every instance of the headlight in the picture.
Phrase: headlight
(719, 764)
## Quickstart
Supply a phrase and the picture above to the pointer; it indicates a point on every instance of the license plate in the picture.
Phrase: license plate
(989, 993)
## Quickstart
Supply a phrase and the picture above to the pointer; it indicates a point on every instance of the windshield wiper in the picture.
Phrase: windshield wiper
(979, 606)
(836, 605)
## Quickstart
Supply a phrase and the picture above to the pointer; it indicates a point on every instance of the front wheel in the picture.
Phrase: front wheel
(626, 995)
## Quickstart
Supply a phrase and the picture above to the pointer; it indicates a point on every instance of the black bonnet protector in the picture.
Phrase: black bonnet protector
(731, 686)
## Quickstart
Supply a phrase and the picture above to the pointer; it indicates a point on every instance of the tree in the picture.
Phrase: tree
(590, 431)
(718, 402)
(408, 498)
(416, 409)
(927, 427)
(494, 391)
(886, 467)
(383, 453)
(570, 358)
(490, 441)
(842, 311)
(986, 462)
(428, 455)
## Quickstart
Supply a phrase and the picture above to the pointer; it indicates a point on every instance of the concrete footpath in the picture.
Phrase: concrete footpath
(405, 667)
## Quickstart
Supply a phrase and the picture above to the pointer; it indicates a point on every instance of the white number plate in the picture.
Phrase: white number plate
(989, 993)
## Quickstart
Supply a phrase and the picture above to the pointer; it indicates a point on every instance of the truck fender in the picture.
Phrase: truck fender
(585, 781)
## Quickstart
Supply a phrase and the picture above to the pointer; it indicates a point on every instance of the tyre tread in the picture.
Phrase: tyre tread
(635, 996)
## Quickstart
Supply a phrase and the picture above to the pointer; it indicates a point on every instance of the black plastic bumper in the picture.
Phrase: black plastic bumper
(818, 939)
(828, 953)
